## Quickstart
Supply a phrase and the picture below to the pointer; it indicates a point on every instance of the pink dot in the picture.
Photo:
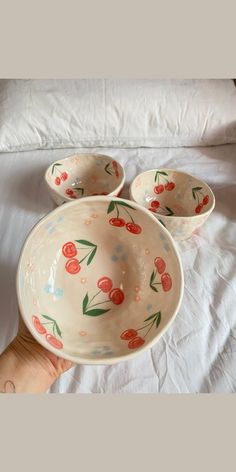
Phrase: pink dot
(137, 288)
(83, 280)
(82, 333)
(94, 215)
(137, 298)
(88, 222)
(147, 251)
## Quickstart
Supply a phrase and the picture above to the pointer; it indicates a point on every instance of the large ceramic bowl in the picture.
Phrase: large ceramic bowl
(83, 175)
(99, 280)
(180, 201)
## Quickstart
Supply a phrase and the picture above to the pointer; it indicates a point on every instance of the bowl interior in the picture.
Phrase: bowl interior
(94, 269)
(85, 175)
(171, 193)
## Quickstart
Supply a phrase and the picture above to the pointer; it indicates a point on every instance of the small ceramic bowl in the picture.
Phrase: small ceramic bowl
(99, 280)
(181, 202)
(84, 175)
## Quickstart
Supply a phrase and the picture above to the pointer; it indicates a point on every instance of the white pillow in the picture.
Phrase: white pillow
(47, 114)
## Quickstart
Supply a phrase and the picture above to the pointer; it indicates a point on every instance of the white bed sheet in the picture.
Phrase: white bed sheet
(198, 352)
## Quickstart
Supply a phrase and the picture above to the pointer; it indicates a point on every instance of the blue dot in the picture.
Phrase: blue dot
(119, 248)
(166, 247)
(125, 257)
(162, 236)
(114, 258)
(58, 292)
(149, 307)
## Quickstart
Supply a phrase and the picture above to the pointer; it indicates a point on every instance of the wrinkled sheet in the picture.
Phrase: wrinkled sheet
(198, 352)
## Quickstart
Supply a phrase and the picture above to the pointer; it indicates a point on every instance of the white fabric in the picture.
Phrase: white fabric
(49, 114)
(198, 352)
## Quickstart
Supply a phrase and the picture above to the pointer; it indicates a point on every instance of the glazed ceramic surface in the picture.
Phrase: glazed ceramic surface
(99, 280)
(179, 201)
(83, 175)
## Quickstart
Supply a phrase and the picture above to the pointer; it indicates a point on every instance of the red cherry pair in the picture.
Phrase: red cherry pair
(134, 340)
(199, 207)
(166, 281)
(72, 265)
(40, 328)
(63, 177)
(130, 226)
(160, 188)
(115, 295)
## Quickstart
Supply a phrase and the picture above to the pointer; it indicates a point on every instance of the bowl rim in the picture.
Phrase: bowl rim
(99, 360)
(83, 154)
(204, 213)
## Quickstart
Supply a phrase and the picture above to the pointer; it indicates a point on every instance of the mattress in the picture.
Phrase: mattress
(197, 354)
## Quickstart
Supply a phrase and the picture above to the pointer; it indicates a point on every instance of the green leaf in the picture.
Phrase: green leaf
(111, 207)
(55, 165)
(48, 318)
(158, 319)
(96, 312)
(162, 222)
(106, 169)
(85, 243)
(89, 260)
(194, 196)
(152, 277)
(160, 173)
(85, 303)
(80, 190)
(153, 288)
(170, 212)
(195, 189)
(57, 329)
(124, 204)
(150, 317)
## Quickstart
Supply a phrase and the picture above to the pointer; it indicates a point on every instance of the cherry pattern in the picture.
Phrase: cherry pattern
(60, 176)
(165, 280)
(133, 336)
(112, 169)
(197, 194)
(118, 206)
(75, 192)
(70, 251)
(162, 183)
(51, 332)
(115, 296)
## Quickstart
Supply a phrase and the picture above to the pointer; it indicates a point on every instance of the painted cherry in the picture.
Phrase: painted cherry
(54, 341)
(115, 165)
(57, 181)
(116, 296)
(64, 176)
(38, 326)
(69, 250)
(105, 284)
(117, 173)
(133, 228)
(72, 266)
(69, 192)
(159, 189)
(119, 222)
(206, 200)
(166, 282)
(155, 204)
(160, 265)
(128, 334)
(136, 342)
(198, 209)
(169, 186)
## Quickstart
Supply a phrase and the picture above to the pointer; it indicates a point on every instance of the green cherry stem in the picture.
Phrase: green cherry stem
(100, 303)
(117, 211)
(86, 255)
(129, 215)
(96, 294)
(149, 328)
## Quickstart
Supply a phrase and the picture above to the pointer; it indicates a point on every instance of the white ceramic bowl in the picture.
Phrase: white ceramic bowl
(99, 280)
(83, 175)
(180, 201)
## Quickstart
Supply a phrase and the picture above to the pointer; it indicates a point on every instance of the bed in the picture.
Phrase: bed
(198, 352)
